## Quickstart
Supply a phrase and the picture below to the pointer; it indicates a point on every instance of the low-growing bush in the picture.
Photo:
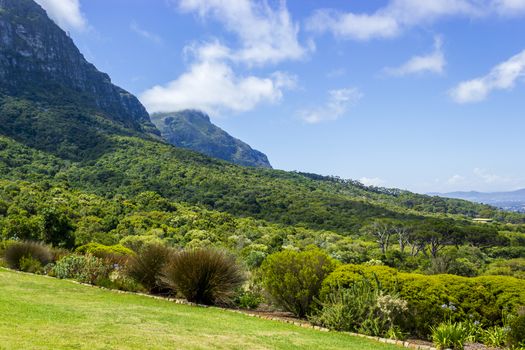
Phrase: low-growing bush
(120, 281)
(206, 275)
(450, 335)
(293, 279)
(27, 256)
(512, 267)
(115, 253)
(362, 307)
(494, 336)
(29, 264)
(83, 268)
(247, 299)
(146, 267)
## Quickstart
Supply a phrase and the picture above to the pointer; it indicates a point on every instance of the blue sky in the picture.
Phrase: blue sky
(425, 95)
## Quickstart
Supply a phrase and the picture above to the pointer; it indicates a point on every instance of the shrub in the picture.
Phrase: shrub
(513, 267)
(83, 268)
(206, 275)
(146, 267)
(362, 307)
(114, 253)
(120, 281)
(449, 335)
(27, 253)
(247, 299)
(516, 334)
(494, 336)
(293, 279)
(29, 264)
(136, 243)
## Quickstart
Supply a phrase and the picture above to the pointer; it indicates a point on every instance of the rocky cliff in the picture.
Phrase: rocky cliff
(40, 62)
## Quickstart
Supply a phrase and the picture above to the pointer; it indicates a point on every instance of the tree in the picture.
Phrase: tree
(382, 231)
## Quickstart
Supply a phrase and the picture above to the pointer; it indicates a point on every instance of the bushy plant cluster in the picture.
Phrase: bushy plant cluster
(83, 268)
(293, 279)
(362, 307)
(432, 299)
(27, 256)
(146, 267)
(205, 276)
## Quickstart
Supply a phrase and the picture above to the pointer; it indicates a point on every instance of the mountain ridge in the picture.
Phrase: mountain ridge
(192, 129)
(508, 200)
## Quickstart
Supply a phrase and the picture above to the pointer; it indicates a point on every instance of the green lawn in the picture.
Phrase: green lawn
(46, 313)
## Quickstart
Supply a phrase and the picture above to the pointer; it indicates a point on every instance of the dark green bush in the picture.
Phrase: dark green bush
(434, 299)
(206, 275)
(83, 268)
(29, 264)
(31, 252)
(146, 267)
(293, 279)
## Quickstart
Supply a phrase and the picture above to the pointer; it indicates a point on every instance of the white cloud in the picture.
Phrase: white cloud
(375, 181)
(481, 179)
(502, 77)
(65, 13)
(339, 102)
(213, 87)
(399, 15)
(431, 63)
(456, 180)
(488, 178)
(510, 7)
(266, 35)
(145, 34)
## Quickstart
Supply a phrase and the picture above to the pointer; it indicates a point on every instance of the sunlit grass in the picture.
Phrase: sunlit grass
(45, 313)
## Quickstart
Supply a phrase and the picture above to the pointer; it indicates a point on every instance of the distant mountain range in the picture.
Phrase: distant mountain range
(192, 129)
(513, 200)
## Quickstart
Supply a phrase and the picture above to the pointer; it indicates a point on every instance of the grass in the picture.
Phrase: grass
(46, 313)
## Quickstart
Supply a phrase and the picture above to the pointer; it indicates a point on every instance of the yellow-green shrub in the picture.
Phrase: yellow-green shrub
(115, 253)
(433, 299)
(293, 279)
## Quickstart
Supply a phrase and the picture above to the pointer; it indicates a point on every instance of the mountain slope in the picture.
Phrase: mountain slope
(193, 130)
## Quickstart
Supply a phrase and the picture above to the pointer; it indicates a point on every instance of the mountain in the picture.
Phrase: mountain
(65, 128)
(192, 129)
(513, 200)
(45, 80)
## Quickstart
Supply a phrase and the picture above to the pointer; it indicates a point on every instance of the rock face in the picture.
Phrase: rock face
(40, 62)
(192, 129)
